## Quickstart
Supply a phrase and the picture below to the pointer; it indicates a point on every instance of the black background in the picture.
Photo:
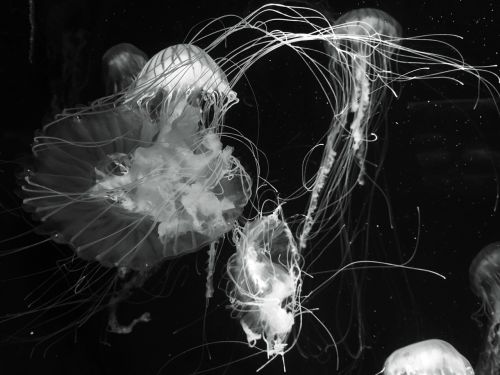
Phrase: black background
(439, 166)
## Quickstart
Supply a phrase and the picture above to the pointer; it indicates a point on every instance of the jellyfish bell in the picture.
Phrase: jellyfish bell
(367, 22)
(485, 283)
(427, 358)
(176, 76)
(484, 276)
(120, 66)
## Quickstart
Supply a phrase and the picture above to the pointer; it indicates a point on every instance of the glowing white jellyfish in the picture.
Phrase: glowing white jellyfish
(265, 281)
(177, 77)
(360, 48)
(128, 191)
(368, 38)
(427, 357)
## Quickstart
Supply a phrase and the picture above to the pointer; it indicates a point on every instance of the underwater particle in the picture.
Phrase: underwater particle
(265, 281)
(427, 357)
(120, 66)
(485, 283)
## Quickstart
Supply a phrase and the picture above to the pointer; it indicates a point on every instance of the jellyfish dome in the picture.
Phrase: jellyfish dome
(368, 22)
(427, 357)
(176, 76)
(127, 192)
(484, 272)
(120, 65)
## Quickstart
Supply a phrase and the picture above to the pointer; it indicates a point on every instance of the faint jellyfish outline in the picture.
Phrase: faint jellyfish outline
(120, 66)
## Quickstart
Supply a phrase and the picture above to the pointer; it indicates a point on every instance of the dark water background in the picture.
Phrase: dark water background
(439, 163)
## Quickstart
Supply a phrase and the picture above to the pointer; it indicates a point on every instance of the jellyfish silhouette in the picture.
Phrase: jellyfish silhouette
(484, 274)
(427, 358)
(120, 66)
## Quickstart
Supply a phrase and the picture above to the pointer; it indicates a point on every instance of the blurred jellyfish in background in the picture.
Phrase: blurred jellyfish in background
(427, 357)
(484, 274)
(120, 66)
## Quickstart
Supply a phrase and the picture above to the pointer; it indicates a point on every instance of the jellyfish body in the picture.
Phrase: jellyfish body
(120, 66)
(484, 274)
(129, 193)
(265, 281)
(427, 357)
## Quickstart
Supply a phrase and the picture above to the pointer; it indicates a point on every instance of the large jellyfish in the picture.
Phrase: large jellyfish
(128, 191)
(484, 273)
(427, 357)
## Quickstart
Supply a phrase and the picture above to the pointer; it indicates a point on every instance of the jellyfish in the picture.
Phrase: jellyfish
(265, 281)
(360, 49)
(484, 280)
(120, 66)
(128, 191)
(427, 357)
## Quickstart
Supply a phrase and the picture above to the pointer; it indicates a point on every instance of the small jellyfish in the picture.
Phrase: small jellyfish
(120, 66)
(427, 357)
(484, 274)
(265, 281)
